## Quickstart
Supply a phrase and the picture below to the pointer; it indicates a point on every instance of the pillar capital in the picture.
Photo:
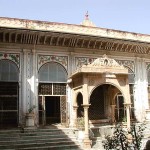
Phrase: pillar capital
(127, 104)
(113, 105)
(86, 105)
(75, 107)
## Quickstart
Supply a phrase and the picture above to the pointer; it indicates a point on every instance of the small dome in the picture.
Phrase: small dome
(87, 21)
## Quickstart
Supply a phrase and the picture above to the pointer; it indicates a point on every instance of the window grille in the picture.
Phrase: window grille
(59, 89)
(45, 89)
(52, 89)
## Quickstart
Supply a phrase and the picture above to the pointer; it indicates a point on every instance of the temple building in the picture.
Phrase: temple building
(61, 72)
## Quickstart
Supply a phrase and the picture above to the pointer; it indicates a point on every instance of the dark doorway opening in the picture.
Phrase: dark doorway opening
(80, 110)
(97, 101)
(49, 110)
(52, 108)
(8, 104)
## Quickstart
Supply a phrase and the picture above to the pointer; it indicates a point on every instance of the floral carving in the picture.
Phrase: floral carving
(13, 57)
(42, 59)
(80, 61)
(127, 63)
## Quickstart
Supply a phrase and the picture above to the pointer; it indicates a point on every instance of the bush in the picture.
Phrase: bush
(124, 139)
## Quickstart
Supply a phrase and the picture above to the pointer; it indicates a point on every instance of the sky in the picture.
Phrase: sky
(125, 15)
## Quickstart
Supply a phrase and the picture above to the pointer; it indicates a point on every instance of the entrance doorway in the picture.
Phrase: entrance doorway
(49, 110)
(52, 108)
(52, 94)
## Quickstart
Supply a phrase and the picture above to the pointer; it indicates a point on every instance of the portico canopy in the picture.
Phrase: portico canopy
(103, 70)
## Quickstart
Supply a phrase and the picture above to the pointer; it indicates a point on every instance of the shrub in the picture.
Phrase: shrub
(124, 139)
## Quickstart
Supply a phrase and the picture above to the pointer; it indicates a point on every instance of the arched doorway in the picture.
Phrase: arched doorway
(102, 99)
(52, 93)
(9, 94)
(80, 110)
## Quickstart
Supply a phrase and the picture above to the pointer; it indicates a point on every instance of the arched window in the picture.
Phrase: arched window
(53, 79)
(8, 71)
(52, 73)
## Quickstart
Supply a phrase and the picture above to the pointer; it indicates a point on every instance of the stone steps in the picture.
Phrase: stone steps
(37, 144)
(38, 139)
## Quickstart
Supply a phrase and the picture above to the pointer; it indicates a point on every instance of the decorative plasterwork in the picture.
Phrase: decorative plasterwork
(127, 63)
(42, 59)
(80, 61)
(105, 62)
(69, 28)
(103, 65)
(11, 56)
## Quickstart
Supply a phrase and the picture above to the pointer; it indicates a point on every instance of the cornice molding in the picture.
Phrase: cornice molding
(71, 40)
(73, 29)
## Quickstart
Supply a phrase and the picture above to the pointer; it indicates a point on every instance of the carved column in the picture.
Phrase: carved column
(87, 141)
(127, 106)
(26, 90)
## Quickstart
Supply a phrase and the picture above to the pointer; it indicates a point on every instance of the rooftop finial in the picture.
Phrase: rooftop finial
(87, 21)
(87, 16)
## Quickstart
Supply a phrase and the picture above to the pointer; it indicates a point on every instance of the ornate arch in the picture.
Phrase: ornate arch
(63, 60)
(12, 57)
(110, 83)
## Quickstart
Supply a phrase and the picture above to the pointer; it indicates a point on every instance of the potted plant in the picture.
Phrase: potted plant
(30, 116)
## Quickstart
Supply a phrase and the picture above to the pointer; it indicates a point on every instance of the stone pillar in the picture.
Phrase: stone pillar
(87, 141)
(127, 106)
(25, 86)
(75, 116)
(33, 86)
(113, 120)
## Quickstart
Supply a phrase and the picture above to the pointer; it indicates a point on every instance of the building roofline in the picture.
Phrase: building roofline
(72, 28)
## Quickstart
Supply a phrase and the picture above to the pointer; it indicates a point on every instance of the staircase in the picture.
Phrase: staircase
(39, 139)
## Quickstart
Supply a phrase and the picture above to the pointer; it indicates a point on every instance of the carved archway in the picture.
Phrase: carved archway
(102, 70)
